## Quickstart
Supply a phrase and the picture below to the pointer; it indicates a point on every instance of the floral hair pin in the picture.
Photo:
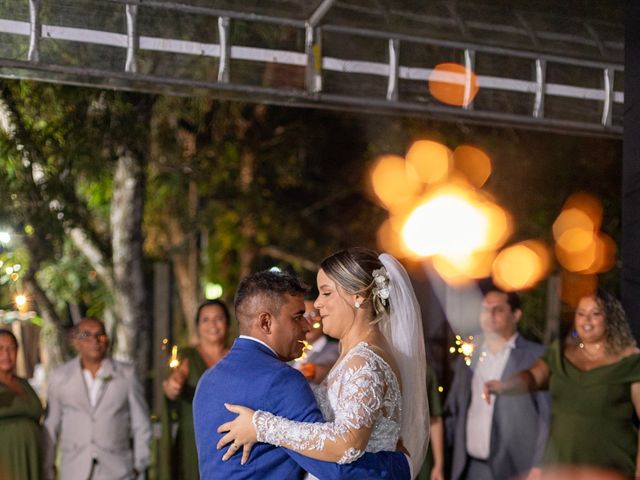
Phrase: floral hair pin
(381, 287)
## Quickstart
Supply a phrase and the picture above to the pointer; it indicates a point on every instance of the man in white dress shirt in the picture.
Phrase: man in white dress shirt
(96, 412)
(506, 437)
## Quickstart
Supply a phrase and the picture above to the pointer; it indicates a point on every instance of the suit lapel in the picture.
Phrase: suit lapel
(514, 362)
(79, 385)
(106, 377)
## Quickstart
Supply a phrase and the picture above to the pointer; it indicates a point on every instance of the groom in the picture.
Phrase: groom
(270, 312)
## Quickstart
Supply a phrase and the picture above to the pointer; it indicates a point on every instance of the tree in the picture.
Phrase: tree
(62, 143)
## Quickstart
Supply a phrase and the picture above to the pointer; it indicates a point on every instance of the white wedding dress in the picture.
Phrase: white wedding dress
(361, 391)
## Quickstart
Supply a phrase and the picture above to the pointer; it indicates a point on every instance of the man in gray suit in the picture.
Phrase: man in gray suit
(96, 408)
(506, 437)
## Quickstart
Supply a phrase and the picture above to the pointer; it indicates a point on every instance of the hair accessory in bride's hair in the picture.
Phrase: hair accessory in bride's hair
(381, 287)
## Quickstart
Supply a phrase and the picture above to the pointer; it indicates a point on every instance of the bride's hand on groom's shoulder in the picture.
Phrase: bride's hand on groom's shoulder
(240, 432)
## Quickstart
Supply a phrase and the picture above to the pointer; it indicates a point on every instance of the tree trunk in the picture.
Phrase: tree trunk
(130, 296)
(53, 338)
(184, 253)
(247, 223)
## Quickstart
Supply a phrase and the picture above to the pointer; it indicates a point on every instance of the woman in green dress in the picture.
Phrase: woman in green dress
(178, 458)
(20, 413)
(594, 381)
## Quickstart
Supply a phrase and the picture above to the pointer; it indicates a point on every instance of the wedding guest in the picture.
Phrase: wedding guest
(323, 352)
(96, 413)
(20, 414)
(594, 380)
(506, 438)
(178, 458)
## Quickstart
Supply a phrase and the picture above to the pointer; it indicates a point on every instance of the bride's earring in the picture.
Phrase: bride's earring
(357, 304)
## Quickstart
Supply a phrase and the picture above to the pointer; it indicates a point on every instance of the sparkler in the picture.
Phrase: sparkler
(464, 347)
(174, 362)
(306, 346)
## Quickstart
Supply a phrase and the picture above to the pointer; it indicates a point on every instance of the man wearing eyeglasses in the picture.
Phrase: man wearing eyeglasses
(96, 414)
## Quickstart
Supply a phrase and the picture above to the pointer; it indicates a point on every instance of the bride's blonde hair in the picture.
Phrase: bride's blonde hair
(353, 270)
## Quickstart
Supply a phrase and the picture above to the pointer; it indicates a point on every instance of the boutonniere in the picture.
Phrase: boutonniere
(107, 378)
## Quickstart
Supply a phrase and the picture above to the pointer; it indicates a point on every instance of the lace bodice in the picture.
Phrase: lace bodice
(361, 391)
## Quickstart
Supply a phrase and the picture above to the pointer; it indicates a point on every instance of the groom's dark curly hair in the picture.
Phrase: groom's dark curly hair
(265, 290)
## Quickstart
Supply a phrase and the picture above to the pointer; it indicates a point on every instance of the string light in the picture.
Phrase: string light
(21, 302)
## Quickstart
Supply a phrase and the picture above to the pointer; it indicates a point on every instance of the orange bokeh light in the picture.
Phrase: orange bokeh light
(605, 257)
(576, 240)
(521, 266)
(474, 163)
(571, 219)
(587, 203)
(463, 269)
(453, 84)
(393, 182)
(448, 222)
(574, 286)
(500, 224)
(576, 261)
(389, 240)
(431, 160)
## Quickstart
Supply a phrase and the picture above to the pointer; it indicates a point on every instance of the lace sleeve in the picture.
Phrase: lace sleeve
(322, 399)
(360, 403)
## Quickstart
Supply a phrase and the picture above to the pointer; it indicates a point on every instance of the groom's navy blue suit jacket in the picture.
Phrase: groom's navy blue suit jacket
(252, 376)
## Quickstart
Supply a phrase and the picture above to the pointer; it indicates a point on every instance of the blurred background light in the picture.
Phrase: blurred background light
(521, 266)
(394, 182)
(432, 161)
(474, 163)
(572, 219)
(448, 223)
(21, 302)
(453, 84)
(574, 286)
(213, 291)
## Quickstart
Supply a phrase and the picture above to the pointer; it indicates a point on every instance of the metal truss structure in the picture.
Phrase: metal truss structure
(545, 67)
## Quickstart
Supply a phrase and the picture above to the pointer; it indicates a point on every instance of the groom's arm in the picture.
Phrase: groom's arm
(301, 406)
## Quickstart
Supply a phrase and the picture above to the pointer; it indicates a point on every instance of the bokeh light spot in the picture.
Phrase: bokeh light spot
(453, 84)
(572, 218)
(574, 286)
(431, 160)
(447, 224)
(394, 183)
(521, 266)
(474, 163)
(587, 203)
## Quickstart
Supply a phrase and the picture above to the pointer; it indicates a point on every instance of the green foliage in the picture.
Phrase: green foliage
(72, 280)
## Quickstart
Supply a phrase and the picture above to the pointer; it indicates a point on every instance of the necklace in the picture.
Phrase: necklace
(588, 354)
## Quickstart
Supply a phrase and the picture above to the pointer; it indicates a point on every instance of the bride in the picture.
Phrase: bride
(375, 395)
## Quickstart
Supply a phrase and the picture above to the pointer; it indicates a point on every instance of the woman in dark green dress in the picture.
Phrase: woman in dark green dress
(178, 457)
(20, 413)
(594, 381)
